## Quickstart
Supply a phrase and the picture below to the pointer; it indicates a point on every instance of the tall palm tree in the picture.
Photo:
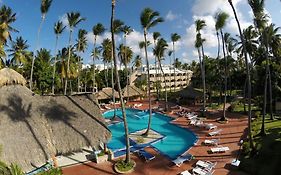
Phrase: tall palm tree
(220, 24)
(127, 160)
(148, 19)
(175, 37)
(45, 5)
(18, 51)
(73, 18)
(248, 76)
(81, 46)
(156, 36)
(98, 30)
(159, 51)
(96, 53)
(126, 31)
(58, 29)
(200, 24)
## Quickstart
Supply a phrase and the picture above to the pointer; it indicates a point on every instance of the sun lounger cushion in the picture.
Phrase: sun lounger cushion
(147, 156)
(219, 149)
(186, 172)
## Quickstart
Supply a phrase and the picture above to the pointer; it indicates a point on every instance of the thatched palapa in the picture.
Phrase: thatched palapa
(33, 127)
(10, 77)
(132, 91)
(190, 93)
(108, 91)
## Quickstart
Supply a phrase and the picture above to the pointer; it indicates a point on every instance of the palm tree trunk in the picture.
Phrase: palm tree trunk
(262, 133)
(112, 86)
(54, 69)
(79, 64)
(170, 83)
(200, 63)
(68, 61)
(270, 96)
(248, 78)
(166, 95)
(174, 66)
(94, 67)
(126, 66)
(148, 84)
(119, 88)
(107, 74)
(204, 80)
(218, 38)
(36, 47)
(225, 78)
(244, 94)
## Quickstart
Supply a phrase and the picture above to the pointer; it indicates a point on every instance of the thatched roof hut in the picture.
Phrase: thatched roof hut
(108, 91)
(101, 95)
(132, 91)
(34, 128)
(190, 93)
(9, 77)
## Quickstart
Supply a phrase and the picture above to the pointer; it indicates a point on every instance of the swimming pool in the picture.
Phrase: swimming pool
(176, 139)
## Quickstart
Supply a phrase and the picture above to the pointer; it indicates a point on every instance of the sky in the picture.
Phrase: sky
(179, 18)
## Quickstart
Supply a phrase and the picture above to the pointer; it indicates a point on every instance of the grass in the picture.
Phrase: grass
(267, 160)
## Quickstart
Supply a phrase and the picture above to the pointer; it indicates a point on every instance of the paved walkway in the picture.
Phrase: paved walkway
(232, 133)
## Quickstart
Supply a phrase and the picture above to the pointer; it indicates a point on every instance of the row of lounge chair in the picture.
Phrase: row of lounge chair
(202, 168)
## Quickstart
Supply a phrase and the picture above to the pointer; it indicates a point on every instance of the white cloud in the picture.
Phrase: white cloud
(171, 16)
(64, 19)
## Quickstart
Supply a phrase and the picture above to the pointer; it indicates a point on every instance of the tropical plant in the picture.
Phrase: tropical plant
(73, 18)
(148, 19)
(98, 30)
(58, 29)
(156, 36)
(170, 52)
(138, 61)
(45, 5)
(96, 53)
(174, 37)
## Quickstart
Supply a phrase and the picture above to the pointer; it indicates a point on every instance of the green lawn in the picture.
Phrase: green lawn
(268, 159)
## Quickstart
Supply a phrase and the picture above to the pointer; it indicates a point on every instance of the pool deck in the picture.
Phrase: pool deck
(231, 134)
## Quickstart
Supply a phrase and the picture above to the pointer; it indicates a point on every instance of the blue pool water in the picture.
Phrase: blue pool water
(176, 139)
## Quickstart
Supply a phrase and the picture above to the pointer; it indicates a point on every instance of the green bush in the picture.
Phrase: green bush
(140, 139)
(121, 165)
(53, 171)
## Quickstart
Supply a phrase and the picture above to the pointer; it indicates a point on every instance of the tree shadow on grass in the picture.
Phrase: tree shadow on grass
(19, 112)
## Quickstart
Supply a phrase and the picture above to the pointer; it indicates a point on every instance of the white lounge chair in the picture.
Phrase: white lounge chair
(179, 161)
(210, 126)
(200, 171)
(219, 149)
(213, 133)
(206, 164)
(211, 142)
(193, 121)
(186, 172)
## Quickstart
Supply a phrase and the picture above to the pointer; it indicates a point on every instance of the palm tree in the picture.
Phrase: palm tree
(58, 29)
(45, 5)
(81, 46)
(156, 36)
(6, 18)
(220, 23)
(174, 37)
(96, 52)
(106, 54)
(200, 24)
(248, 76)
(148, 19)
(98, 30)
(159, 51)
(73, 19)
(138, 61)
(127, 160)
(126, 31)
(19, 52)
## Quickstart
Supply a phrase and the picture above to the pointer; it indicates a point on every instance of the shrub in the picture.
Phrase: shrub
(121, 165)
(140, 139)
